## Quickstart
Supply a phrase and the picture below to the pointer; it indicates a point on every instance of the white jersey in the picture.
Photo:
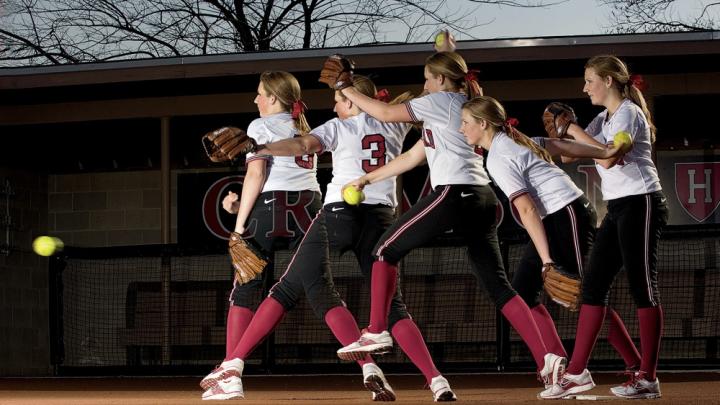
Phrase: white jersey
(635, 173)
(517, 170)
(359, 145)
(450, 158)
(286, 173)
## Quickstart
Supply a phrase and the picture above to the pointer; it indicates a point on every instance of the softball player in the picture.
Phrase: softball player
(269, 187)
(628, 235)
(555, 213)
(461, 200)
(359, 144)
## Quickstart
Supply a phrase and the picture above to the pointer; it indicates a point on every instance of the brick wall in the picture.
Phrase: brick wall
(106, 209)
(92, 210)
(24, 331)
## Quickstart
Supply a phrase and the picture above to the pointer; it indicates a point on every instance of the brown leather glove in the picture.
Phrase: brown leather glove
(247, 261)
(227, 143)
(561, 286)
(557, 119)
(337, 72)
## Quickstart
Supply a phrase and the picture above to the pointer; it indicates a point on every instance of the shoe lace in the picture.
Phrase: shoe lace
(545, 380)
(364, 339)
(633, 377)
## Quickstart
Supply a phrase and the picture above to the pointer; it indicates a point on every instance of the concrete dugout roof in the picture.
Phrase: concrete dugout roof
(377, 56)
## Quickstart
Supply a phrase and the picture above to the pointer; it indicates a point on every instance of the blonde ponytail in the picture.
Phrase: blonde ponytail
(488, 109)
(636, 96)
(453, 67)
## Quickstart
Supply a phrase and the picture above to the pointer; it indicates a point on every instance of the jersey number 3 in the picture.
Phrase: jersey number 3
(376, 144)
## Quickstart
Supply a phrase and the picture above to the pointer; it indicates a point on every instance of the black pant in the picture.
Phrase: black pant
(628, 237)
(467, 210)
(570, 234)
(278, 220)
(340, 227)
(357, 229)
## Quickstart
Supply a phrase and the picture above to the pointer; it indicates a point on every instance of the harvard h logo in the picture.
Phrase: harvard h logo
(697, 186)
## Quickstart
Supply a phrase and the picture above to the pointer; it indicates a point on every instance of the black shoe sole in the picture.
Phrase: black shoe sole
(376, 385)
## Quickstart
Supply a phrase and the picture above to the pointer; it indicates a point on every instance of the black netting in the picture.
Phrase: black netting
(161, 306)
(689, 282)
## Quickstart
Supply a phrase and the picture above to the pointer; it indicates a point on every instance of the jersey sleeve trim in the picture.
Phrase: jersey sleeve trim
(322, 143)
(517, 194)
(257, 157)
(413, 117)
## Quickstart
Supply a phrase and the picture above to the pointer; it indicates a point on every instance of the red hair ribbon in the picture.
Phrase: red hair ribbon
(512, 122)
(383, 95)
(299, 107)
(471, 75)
(638, 82)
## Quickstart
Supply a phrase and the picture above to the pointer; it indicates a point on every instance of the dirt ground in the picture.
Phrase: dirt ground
(677, 388)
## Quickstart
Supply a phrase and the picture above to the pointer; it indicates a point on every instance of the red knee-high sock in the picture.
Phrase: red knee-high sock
(588, 328)
(408, 336)
(268, 315)
(651, 327)
(620, 339)
(238, 319)
(382, 288)
(343, 325)
(548, 331)
(518, 314)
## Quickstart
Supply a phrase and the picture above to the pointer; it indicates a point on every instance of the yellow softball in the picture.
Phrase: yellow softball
(440, 39)
(47, 245)
(353, 196)
(623, 140)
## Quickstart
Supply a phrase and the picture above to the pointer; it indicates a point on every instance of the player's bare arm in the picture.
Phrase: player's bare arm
(379, 110)
(533, 225)
(303, 145)
(581, 136)
(401, 164)
(576, 132)
(575, 149)
(252, 187)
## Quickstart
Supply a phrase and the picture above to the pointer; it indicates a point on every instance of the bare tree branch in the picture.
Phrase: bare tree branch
(523, 4)
(633, 16)
(73, 31)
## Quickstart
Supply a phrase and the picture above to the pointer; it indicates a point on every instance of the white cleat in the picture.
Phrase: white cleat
(553, 368)
(369, 343)
(569, 384)
(441, 390)
(375, 381)
(224, 371)
(227, 388)
(638, 388)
